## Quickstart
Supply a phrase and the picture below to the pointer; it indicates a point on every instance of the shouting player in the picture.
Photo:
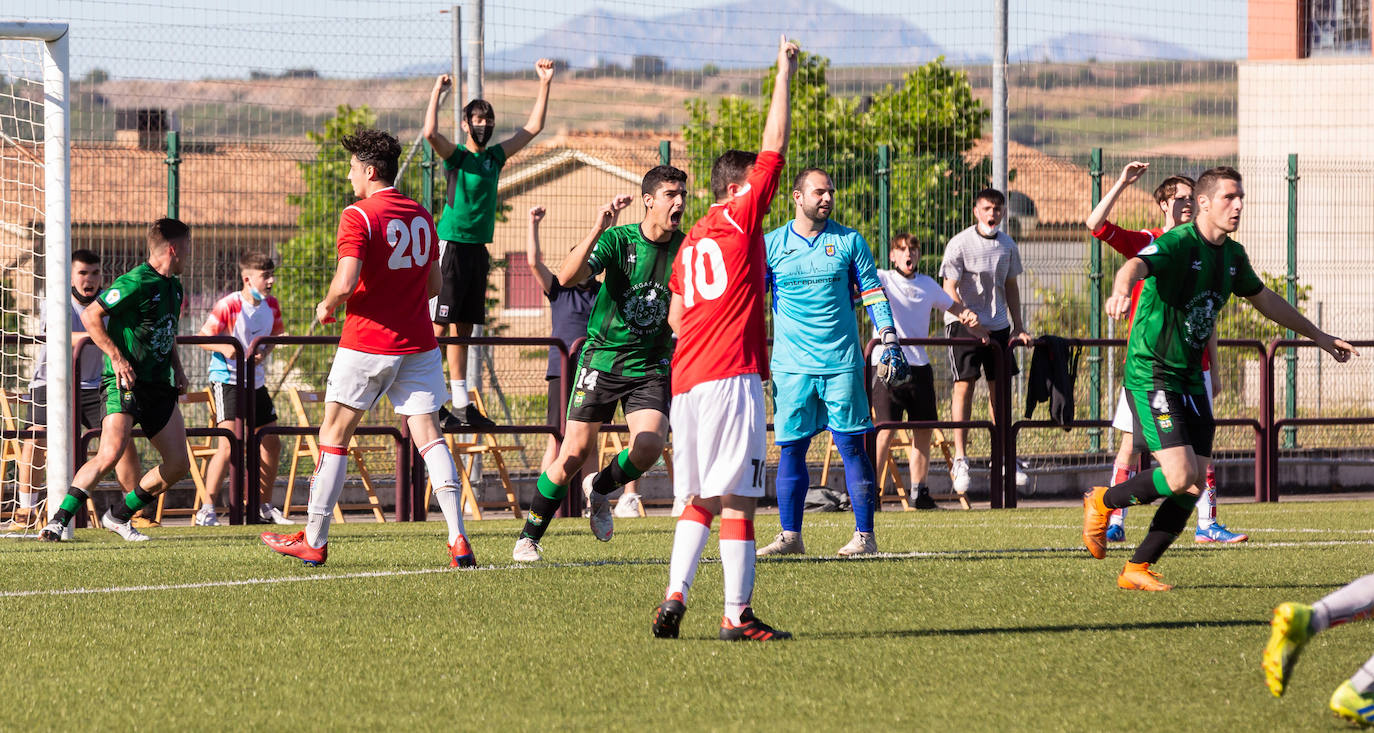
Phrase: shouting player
(718, 368)
(1191, 272)
(386, 275)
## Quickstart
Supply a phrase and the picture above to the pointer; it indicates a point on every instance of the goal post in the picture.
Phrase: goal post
(54, 138)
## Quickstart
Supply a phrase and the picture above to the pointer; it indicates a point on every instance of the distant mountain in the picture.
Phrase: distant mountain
(1079, 47)
(688, 39)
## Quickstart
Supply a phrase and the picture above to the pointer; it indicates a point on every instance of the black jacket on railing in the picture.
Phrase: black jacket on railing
(1053, 371)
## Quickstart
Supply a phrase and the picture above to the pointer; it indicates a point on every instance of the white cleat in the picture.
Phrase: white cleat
(627, 507)
(598, 511)
(786, 543)
(862, 543)
(527, 550)
(958, 475)
(273, 515)
(206, 517)
(123, 529)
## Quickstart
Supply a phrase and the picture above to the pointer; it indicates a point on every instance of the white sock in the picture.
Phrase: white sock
(459, 387)
(1364, 679)
(689, 539)
(1350, 603)
(737, 560)
(28, 499)
(1117, 518)
(325, 487)
(1207, 508)
(443, 475)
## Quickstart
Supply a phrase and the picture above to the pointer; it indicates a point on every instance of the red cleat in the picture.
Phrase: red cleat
(296, 546)
(461, 553)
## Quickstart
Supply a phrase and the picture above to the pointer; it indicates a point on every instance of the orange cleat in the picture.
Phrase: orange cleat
(461, 553)
(296, 546)
(1139, 576)
(1095, 515)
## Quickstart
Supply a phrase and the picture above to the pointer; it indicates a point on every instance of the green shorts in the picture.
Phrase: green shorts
(150, 405)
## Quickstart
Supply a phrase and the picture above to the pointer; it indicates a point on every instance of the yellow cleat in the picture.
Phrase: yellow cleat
(1287, 636)
(1353, 705)
(1095, 515)
(1139, 576)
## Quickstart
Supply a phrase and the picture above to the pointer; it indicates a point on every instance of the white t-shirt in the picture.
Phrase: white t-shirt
(92, 359)
(980, 266)
(912, 299)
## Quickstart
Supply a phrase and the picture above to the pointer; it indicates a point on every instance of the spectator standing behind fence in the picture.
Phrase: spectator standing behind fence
(466, 226)
(247, 315)
(912, 296)
(979, 269)
(86, 281)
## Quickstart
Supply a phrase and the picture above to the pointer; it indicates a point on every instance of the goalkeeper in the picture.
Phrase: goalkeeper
(814, 265)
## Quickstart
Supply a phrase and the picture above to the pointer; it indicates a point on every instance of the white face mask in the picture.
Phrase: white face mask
(988, 232)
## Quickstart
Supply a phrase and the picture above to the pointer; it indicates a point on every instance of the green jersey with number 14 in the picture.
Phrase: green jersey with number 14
(627, 333)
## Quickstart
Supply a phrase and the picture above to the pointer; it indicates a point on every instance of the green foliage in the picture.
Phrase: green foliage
(929, 121)
(1241, 321)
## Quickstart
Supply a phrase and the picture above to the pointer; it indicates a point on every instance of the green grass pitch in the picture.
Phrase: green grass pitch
(977, 621)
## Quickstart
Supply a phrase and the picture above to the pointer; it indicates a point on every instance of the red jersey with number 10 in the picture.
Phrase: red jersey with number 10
(719, 274)
(394, 237)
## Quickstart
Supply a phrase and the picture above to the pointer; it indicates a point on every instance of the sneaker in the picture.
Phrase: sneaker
(126, 530)
(295, 545)
(958, 475)
(679, 505)
(461, 555)
(1095, 517)
(786, 543)
(923, 501)
(1353, 705)
(473, 419)
(527, 550)
(668, 616)
(628, 506)
(206, 517)
(598, 511)
(862, 543)
(52, 532)
(1218, 533)
(1139, 576)
(750, 628)
(273, 515)
(1116, 533)
(449, 422)
(1289, 630)
(1021, 478)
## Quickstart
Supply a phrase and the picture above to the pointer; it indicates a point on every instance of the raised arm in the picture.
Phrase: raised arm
(1129, 175)
(1280, 311)
(532, 258)
(575, 268)
(535, 124)
(778, 126)
(443, 147)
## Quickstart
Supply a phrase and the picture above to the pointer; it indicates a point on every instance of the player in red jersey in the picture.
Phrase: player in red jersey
(386, 245)
(1174, 196)
(717, 413)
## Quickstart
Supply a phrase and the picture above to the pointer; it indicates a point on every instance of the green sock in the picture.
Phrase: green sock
(542, 508)
(133, 501)
(618, 472)
(1161, 483)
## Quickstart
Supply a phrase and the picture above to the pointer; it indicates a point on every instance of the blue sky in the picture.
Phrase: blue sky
(166, 39)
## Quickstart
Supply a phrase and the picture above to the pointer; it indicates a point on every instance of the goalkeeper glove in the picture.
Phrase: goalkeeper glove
(892, 367)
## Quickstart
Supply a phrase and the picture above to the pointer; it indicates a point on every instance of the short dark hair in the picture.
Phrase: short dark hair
(85, 257)
(801, 177)
(992, 196)
(731, 167)
(479, 108)
(1210, 178)
(1169, 187)
(376, 148)
(659, 175)
(256, 261)
(165, 231)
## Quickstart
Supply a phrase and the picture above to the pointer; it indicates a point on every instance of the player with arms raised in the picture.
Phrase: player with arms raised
(718, 414)
(386, 274)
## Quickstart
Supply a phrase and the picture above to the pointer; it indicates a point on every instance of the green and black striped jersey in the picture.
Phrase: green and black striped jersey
(1189, 281)
(627, 333)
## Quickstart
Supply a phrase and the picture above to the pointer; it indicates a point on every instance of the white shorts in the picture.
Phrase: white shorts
(1122, 419)
(413, 382)
(719, 438)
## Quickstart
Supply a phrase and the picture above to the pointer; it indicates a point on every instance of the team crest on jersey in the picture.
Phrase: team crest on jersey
(1201, 318)
(830, 250)
(646, 308)
(164, 336)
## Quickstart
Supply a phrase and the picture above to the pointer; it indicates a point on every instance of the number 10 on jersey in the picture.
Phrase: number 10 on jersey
(703, 272)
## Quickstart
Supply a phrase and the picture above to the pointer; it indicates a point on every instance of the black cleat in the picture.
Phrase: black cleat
(449, 422)
(667, 617)
(750, 629)
(923, 500)
(51, 533)
(476, 420)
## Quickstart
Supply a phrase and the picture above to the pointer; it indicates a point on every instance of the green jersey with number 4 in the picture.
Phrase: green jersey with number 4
(145, 310)
(627, 332)
(1189, 281)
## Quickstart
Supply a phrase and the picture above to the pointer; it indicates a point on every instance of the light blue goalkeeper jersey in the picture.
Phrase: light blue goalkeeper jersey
(814, 283)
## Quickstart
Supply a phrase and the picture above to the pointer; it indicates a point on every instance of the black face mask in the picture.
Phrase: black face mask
(83, 299)
(481, 133)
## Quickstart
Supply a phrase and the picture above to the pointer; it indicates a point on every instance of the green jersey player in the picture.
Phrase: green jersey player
(1193, 270)
(142, 378)
(626, 358)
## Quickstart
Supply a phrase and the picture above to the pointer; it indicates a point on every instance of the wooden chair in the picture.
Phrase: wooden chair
(200, 450)
(10, 447)
(612, 444)
(487, 445)
(308, 446)
(901, 440)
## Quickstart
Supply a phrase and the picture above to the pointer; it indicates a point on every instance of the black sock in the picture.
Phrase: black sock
(70, 505)
(537, 519)
(617, 473)
(123, 511)
(1138, 489)
(1170, 519)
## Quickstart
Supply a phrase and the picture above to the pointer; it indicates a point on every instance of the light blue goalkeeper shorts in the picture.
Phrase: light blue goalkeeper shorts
(806, 404)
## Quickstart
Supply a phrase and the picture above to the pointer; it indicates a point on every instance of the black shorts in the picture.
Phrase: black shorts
(227, 404)
(1169, 419)
(967, 361)
(90, 412)
(150, 405)
(915, 397)
(463, 270)
(596, 394)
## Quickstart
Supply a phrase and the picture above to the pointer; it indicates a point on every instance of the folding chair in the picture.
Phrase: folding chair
(488, 446)
(308, 446)
(10, 447)
(200, 451)
(901, 440)
(612, 444)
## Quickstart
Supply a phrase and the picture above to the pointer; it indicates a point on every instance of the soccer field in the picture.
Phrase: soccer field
(977, 621)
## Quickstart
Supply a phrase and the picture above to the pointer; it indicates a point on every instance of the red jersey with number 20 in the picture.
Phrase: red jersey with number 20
(719, 274)
(394, 237)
